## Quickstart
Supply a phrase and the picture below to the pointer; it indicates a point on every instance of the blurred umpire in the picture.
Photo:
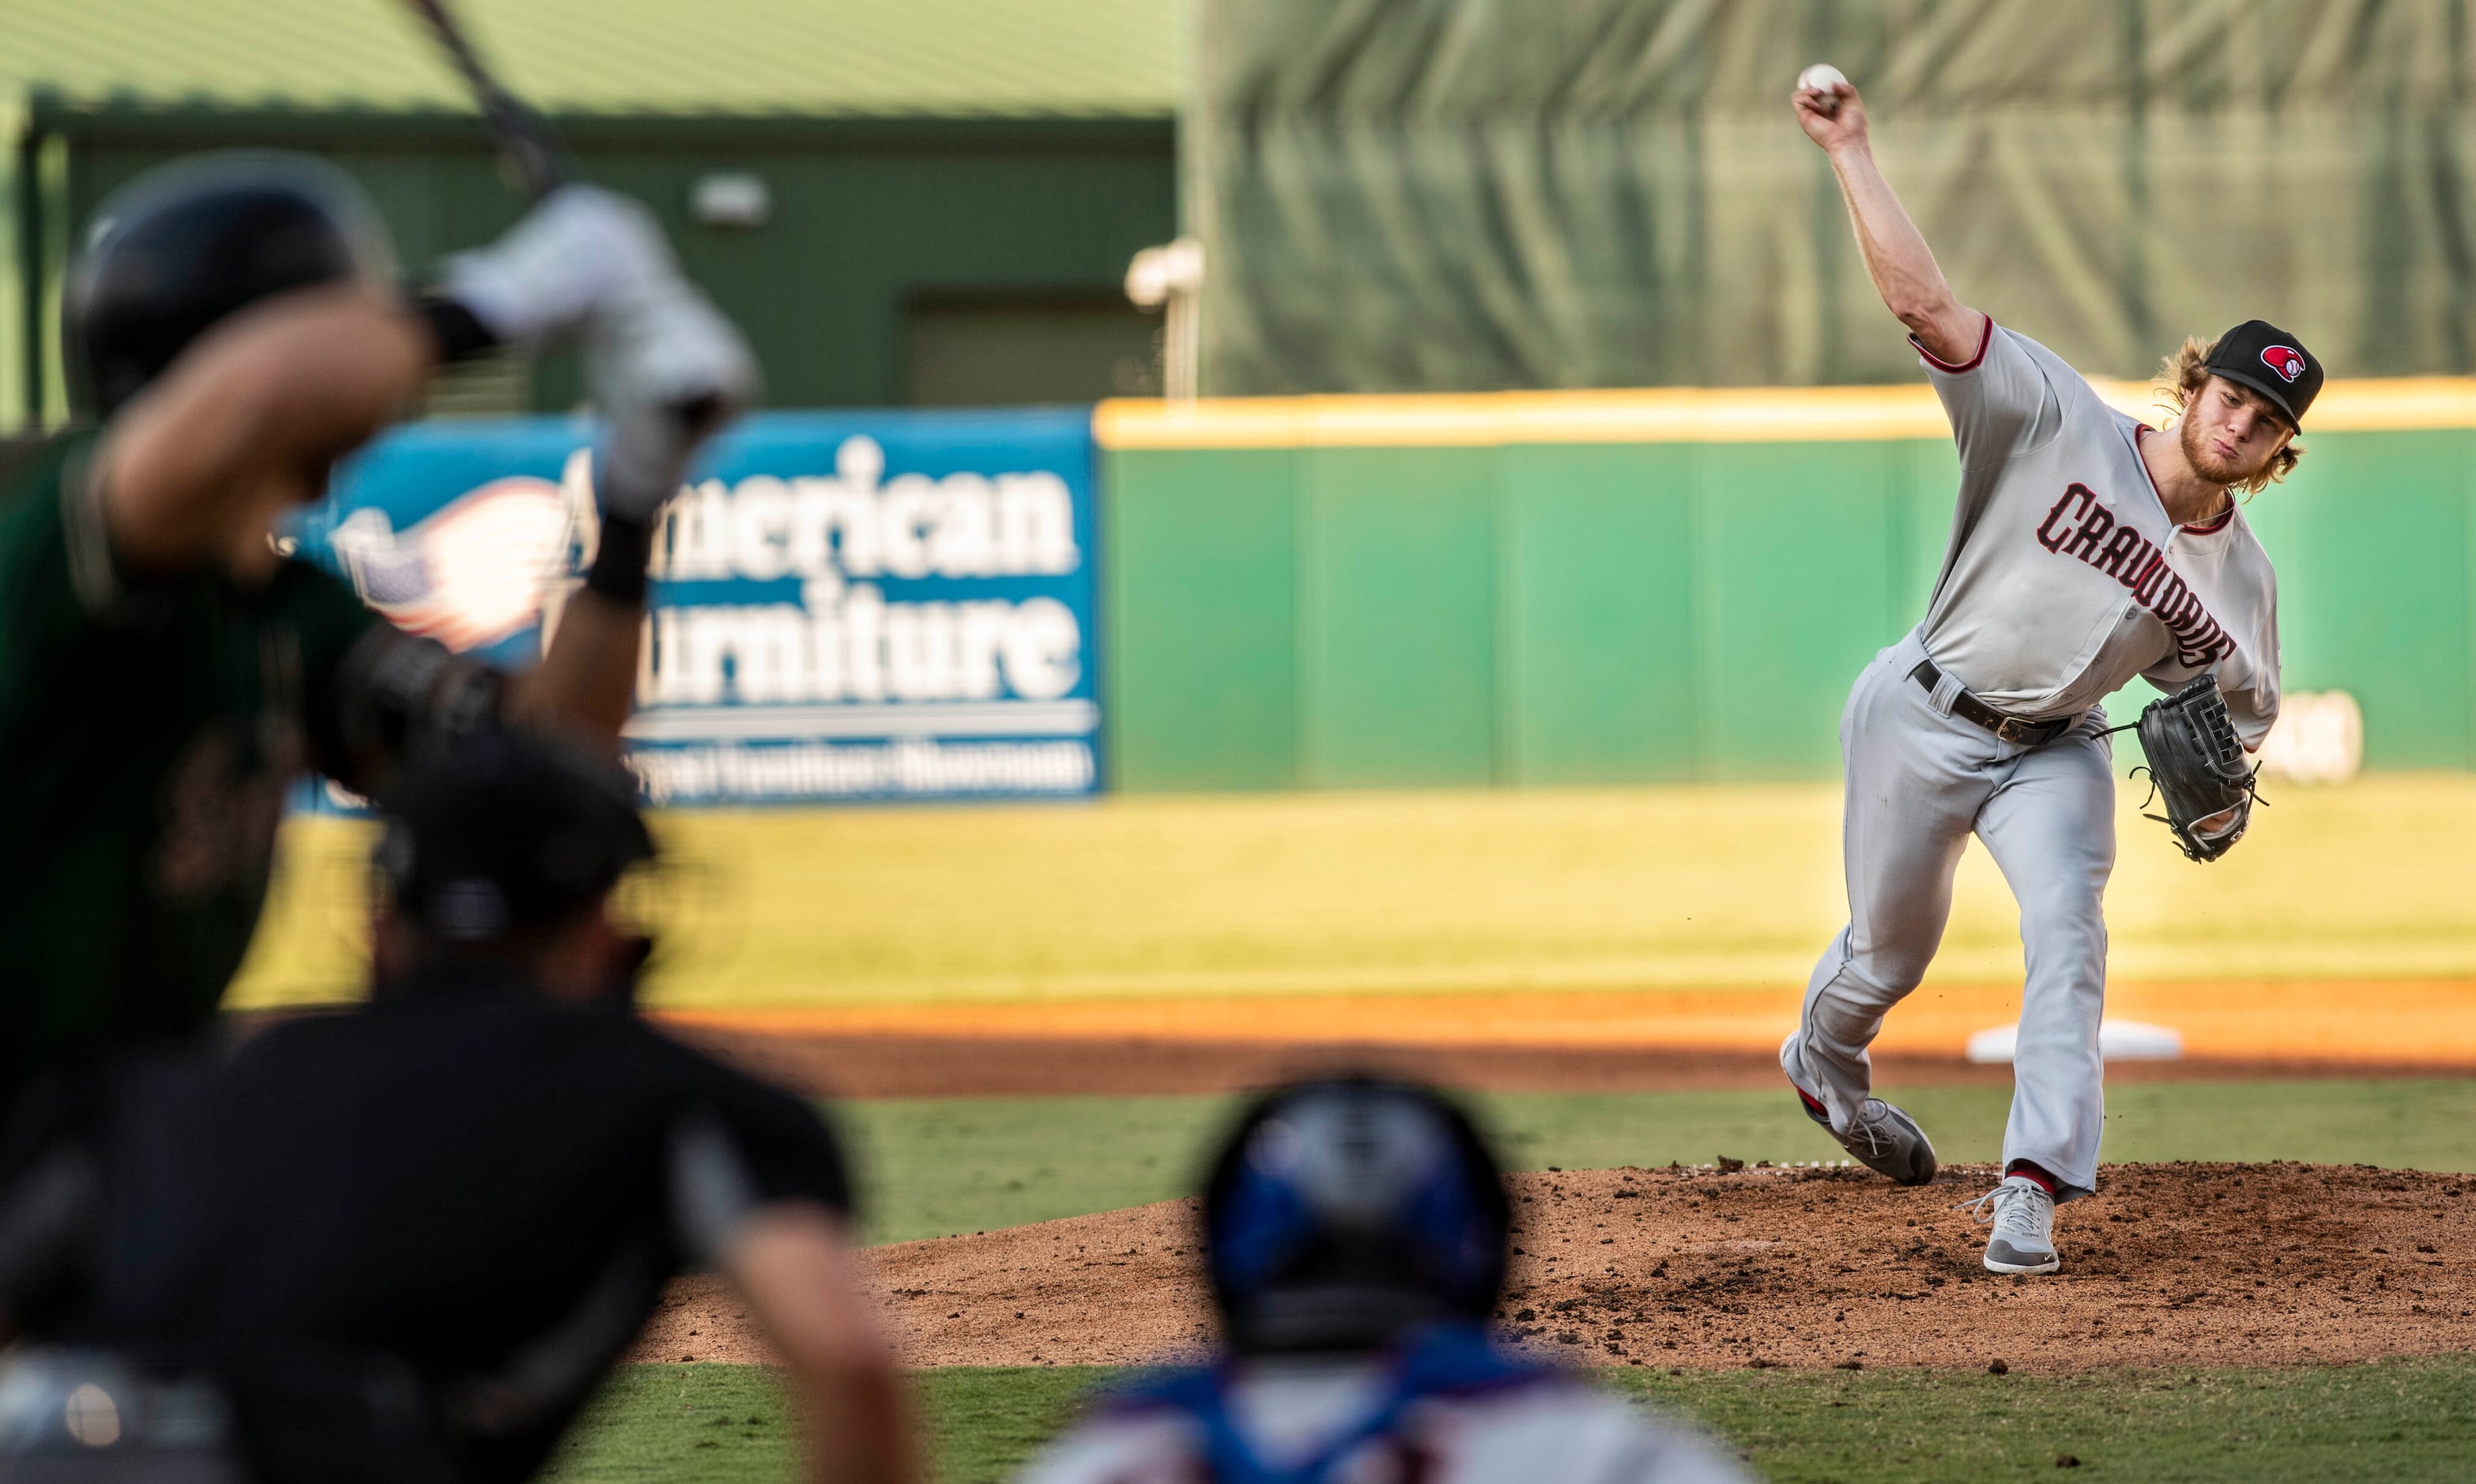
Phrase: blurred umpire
(1355, 1233)
(406, 1242)
(166, 672)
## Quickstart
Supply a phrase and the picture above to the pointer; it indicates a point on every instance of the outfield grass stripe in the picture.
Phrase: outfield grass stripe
(1690, 888)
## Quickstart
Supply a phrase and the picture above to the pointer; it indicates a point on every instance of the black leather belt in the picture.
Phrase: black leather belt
(2014, 730)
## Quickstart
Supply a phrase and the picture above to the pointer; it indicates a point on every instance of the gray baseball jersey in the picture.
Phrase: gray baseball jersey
(2064, 577)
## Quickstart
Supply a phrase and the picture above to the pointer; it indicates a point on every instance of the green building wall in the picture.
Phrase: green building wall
(1605, 612)
(868, 217)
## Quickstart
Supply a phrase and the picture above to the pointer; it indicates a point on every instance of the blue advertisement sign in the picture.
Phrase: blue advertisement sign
(846, 607)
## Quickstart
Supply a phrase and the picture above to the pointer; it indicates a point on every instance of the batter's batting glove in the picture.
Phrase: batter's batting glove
(668, 371)
(580, 248)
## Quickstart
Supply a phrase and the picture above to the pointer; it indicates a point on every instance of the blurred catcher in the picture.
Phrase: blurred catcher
(2086, 549)
(166, 672)
(1355, 1234)
(407, 1243)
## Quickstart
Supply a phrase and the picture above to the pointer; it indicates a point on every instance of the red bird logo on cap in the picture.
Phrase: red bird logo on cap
(2285, 359)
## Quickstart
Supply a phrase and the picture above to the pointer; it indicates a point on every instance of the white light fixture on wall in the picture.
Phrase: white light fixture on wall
(734, 200)
(1170, 277)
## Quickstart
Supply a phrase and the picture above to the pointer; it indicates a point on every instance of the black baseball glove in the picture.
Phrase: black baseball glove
(2197, 767)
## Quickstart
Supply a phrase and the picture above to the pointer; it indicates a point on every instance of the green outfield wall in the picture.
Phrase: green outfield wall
(1664, 586)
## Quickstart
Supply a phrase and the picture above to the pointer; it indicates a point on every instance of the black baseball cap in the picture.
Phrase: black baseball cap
(2259, 354)
(501, 830)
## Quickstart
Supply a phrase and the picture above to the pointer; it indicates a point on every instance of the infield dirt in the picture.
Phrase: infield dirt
(2182, 1264)
(995, 1066)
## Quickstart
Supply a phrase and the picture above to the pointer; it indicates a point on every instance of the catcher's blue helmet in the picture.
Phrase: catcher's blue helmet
(1344, 1210)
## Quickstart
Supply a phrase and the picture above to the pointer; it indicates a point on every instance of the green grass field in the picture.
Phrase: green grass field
(2398, 1420)
(974, 1164)
(1696, 887)
(1503, 891)
(936, 1167)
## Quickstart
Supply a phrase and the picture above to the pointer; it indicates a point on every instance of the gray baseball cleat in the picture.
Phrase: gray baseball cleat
(1884, 1139)
(2022, 1213)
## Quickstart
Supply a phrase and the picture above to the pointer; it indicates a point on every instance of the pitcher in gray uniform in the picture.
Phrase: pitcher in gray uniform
(2086, 549)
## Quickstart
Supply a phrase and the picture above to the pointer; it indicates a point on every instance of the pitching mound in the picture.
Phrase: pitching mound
(2172, 1264)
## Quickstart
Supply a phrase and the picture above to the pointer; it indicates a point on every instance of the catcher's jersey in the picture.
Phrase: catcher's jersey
(1553, 1431)
(2064, 577)
(147, 737)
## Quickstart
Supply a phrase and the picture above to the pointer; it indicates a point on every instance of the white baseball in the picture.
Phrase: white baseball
(1821, 77)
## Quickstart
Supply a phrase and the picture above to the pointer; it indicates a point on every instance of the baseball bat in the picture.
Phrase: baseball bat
(529, 153)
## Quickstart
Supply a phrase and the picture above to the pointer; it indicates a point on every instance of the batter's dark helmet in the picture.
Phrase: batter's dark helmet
(1344, 1210)
(182, 246)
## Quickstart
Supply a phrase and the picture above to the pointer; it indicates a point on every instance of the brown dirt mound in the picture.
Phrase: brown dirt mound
(2181, 1263)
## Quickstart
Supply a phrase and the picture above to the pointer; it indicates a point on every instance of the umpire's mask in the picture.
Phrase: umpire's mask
(499, 832)
(1345, 1210)
(176, 251)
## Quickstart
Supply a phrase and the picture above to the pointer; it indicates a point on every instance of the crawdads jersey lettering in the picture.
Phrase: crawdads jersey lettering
(2064, 577)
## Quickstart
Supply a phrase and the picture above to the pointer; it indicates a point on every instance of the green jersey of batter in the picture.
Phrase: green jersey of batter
(148, 734)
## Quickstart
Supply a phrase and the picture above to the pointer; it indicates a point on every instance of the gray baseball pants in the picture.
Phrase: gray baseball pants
(1920, 781)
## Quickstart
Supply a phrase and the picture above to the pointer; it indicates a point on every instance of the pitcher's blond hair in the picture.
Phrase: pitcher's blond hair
(2185, 373)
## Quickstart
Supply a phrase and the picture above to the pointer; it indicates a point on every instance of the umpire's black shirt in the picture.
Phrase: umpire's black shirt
(413, 1238)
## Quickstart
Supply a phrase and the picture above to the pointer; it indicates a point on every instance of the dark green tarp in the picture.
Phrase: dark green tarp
(1468, 194)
